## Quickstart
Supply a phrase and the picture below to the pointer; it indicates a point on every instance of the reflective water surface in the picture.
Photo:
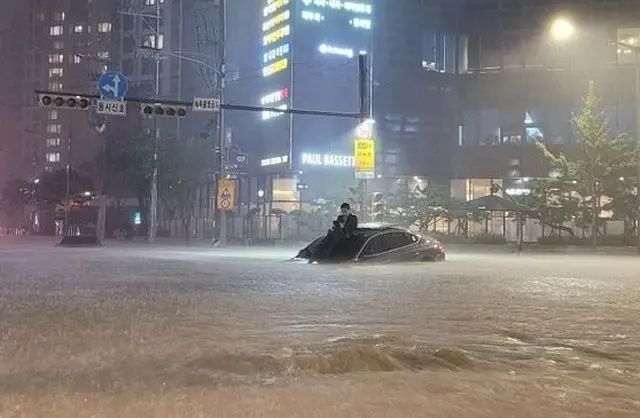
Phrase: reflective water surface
(134, 331)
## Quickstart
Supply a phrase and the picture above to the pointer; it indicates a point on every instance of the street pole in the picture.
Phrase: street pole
(364, 111)
(153, 210)
(221, 125)
(638, 148)
(67, 189)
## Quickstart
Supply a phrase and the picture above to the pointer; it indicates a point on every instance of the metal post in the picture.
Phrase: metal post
(67, 189)
(638, 146)
(221, 125)
(364, 114)
(153, 210)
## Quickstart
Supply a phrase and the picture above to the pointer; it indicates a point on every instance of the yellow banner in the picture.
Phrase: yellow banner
(365, 155)
(226, 194)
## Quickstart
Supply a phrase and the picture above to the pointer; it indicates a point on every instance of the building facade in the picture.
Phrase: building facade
(55, 36)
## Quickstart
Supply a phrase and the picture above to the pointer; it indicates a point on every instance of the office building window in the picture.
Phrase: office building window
(48, 169)
(53, 142)
(78, 29)
(77, 59)
(52, 157)
(58, 45)
(489, 132)
(53, 114)
(54, 128)
(56, 58)
(56, 72)
(104, 27)
(149, 41)
(58, 16)
(40, 17)
(490, 52)
(56, 30)
(103, 55)
(55, 86)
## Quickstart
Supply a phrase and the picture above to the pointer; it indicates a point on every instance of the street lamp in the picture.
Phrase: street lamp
(563, 29)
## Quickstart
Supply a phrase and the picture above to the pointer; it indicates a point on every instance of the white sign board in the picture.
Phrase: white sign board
(364, 176)
(204, 104)
(327, 160)
(111, 107)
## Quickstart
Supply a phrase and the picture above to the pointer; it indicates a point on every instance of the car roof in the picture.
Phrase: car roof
(373, 227)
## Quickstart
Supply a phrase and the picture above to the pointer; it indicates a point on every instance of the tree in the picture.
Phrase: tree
(599, 161)
(15, 195)
(181, 167)
(420, 208)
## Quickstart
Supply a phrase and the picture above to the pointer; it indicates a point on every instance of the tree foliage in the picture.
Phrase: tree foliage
(595, 169)
(419, 208)
(182, 166)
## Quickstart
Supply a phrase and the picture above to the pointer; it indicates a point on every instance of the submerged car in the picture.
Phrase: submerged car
(379, 243)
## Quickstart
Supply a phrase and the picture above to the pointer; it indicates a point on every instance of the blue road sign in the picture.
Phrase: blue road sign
(113, 85)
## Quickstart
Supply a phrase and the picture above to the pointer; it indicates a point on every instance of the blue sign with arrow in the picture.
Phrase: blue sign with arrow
(113, 85)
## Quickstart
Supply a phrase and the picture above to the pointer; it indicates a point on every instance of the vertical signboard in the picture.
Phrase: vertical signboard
(364, 152)
(226, 196)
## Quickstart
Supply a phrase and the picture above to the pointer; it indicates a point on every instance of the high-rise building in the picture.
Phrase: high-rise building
(55, 35)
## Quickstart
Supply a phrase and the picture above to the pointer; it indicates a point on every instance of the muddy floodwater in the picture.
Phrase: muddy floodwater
(132, 331)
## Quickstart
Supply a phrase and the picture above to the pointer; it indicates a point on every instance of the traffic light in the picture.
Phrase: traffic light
(377, 207)
(163, 110)
(63, 101)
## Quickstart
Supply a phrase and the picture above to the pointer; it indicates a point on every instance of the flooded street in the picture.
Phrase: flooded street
(135, 331)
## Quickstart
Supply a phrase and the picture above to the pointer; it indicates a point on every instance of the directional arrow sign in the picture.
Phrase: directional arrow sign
(113, 85)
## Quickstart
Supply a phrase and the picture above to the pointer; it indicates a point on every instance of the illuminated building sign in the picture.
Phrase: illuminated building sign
(270, 114)
(349, 6)
(335, 50)
(360, 23)
(270, 99)
(276, 35)
(276, 20)
(312, 16)
(275, 97)
(274, 53)
(327, 160)
(273, 6)
(276, 67)
(284, 159)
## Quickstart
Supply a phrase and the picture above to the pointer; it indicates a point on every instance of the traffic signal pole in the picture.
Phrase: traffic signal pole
(222, 218)
(365, 114)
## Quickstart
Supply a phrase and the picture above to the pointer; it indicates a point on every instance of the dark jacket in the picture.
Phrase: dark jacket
(350, 223)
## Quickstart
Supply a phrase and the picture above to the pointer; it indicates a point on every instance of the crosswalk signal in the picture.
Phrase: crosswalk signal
(63, 101)
(377, 207)
(162, 110)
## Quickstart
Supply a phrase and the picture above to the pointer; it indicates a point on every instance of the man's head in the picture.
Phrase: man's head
(345, 208)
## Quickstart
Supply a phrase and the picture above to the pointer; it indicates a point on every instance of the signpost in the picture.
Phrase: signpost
(226, 195)
(204, 104)
(113, 87)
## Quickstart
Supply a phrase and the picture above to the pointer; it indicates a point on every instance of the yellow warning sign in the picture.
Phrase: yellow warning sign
(226, 194)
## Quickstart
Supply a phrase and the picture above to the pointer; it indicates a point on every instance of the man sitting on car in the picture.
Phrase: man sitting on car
(344, 227)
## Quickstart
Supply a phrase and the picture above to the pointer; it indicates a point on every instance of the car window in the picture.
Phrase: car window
(395, 240)
(374, 246)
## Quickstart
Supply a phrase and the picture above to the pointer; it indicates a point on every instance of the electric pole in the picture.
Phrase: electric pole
(153, 210)
(365, 114)
(222, 143)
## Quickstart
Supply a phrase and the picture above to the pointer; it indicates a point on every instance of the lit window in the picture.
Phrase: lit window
(40, 17)
(56, 30)
(58, 45)
(78, 29)
(77, 59)
(53, 157)
(53, 142)
(56, 58)
(53, 114)
(48, 169)
(58, 16)
(149, 41)
(103, 55)
(54, 128)
(56, 72)
(151, 2)
(104, 27)
(55, 86)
